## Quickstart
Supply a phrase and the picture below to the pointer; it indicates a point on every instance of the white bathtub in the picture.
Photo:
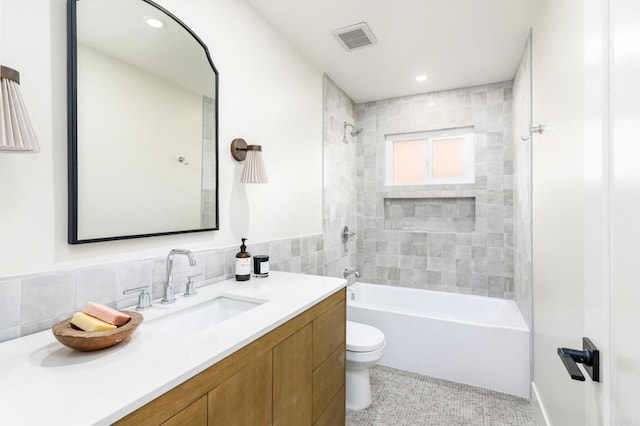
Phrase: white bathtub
(479, 341)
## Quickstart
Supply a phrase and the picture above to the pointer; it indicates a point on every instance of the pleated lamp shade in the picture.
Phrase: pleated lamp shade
(254, 170)
(16, 132)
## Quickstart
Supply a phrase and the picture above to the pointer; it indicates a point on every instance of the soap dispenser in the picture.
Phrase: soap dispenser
(243, 263)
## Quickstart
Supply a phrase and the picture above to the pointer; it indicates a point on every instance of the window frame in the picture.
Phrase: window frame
(466, 133)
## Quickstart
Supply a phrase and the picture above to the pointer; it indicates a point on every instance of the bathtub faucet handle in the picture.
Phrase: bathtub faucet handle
(346, 234)
(348, 272)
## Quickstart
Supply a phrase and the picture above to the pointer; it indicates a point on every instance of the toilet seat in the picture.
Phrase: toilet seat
(363, 338)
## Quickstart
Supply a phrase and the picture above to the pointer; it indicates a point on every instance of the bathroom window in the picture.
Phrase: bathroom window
(434, 157)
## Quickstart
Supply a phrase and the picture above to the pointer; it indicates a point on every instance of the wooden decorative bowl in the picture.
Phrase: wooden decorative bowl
(87, 341)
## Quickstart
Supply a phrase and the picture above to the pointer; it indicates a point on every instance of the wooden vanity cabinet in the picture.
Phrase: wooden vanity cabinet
(244, 399)
(292, 376)
(194, 415)
(292, 379)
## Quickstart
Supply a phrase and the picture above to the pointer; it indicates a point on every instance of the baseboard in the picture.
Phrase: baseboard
(538, 407)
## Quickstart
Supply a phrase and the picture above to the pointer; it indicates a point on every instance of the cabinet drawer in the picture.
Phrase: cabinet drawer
(334, 414)
(329, 331)
(328, 379)
(246, 398)
(195, 414)
(292, 380)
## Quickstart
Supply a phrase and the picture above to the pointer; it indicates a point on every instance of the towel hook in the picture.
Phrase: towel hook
(533, 129)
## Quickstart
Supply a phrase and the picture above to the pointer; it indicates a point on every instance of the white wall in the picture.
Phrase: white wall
(269, 95)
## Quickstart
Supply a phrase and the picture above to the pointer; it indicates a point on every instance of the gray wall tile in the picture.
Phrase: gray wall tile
(34, 303)
(473, 217)
(521, 184)
(9, 305)
(9, 333)
(134, 274)
(46, 297)
(341, 168)
(96, 284)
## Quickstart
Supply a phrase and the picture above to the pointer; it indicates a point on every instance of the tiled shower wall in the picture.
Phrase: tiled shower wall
(455, 238)
(339, 179)
(522, 191)
(35, 302)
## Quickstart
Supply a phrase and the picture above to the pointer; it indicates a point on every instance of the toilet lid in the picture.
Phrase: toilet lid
(363, 338)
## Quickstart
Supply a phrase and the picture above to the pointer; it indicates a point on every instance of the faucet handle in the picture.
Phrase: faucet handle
(191, 286)
(144, 299)
(348, 272)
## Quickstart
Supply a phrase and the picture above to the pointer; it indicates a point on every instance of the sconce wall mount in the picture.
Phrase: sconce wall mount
(254, 170)
(239, 149)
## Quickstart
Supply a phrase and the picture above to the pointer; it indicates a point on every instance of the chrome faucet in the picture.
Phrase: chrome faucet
(348, 272)
(169, 288)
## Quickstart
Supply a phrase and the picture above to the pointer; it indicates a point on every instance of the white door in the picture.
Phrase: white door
(558, 217)
(625, 212)
(586, 206)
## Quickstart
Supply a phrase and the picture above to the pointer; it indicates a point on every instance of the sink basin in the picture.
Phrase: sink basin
(206, 314)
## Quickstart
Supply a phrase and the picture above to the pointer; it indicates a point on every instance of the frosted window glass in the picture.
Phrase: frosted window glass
(409, 161)
(448, 157)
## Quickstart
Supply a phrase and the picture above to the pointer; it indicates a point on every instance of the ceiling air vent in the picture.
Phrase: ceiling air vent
(355, 36)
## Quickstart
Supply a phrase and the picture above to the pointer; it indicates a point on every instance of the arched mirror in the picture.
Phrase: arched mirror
(143, 101)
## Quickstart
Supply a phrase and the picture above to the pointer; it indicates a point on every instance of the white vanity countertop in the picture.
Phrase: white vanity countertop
(44, 382)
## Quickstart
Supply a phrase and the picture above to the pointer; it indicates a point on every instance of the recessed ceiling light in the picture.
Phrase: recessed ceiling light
(432, 103)
(421, 78)
(154, 22)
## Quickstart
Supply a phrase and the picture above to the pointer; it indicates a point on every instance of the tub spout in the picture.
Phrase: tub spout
(348, 272)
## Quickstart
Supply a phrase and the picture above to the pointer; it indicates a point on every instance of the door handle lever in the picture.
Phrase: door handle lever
(570, 358)
(589, 357)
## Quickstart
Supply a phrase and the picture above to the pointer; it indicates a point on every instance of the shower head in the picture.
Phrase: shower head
(355, 131)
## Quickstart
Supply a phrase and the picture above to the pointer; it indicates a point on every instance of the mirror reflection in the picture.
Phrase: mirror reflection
(145, 120)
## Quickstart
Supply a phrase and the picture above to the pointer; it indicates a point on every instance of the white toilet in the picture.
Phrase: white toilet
(365, 347)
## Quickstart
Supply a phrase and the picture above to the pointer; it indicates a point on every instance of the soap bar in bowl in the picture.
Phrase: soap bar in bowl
(88, 323)
(86, 341)
(106, 314)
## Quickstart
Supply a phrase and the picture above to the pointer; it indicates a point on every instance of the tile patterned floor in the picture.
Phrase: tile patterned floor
(401, 398)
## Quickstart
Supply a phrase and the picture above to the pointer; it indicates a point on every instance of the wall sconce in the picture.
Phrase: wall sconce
(254, 170)
(16, 132)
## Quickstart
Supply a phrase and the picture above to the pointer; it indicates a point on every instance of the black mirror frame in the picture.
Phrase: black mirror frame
(72, 123)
